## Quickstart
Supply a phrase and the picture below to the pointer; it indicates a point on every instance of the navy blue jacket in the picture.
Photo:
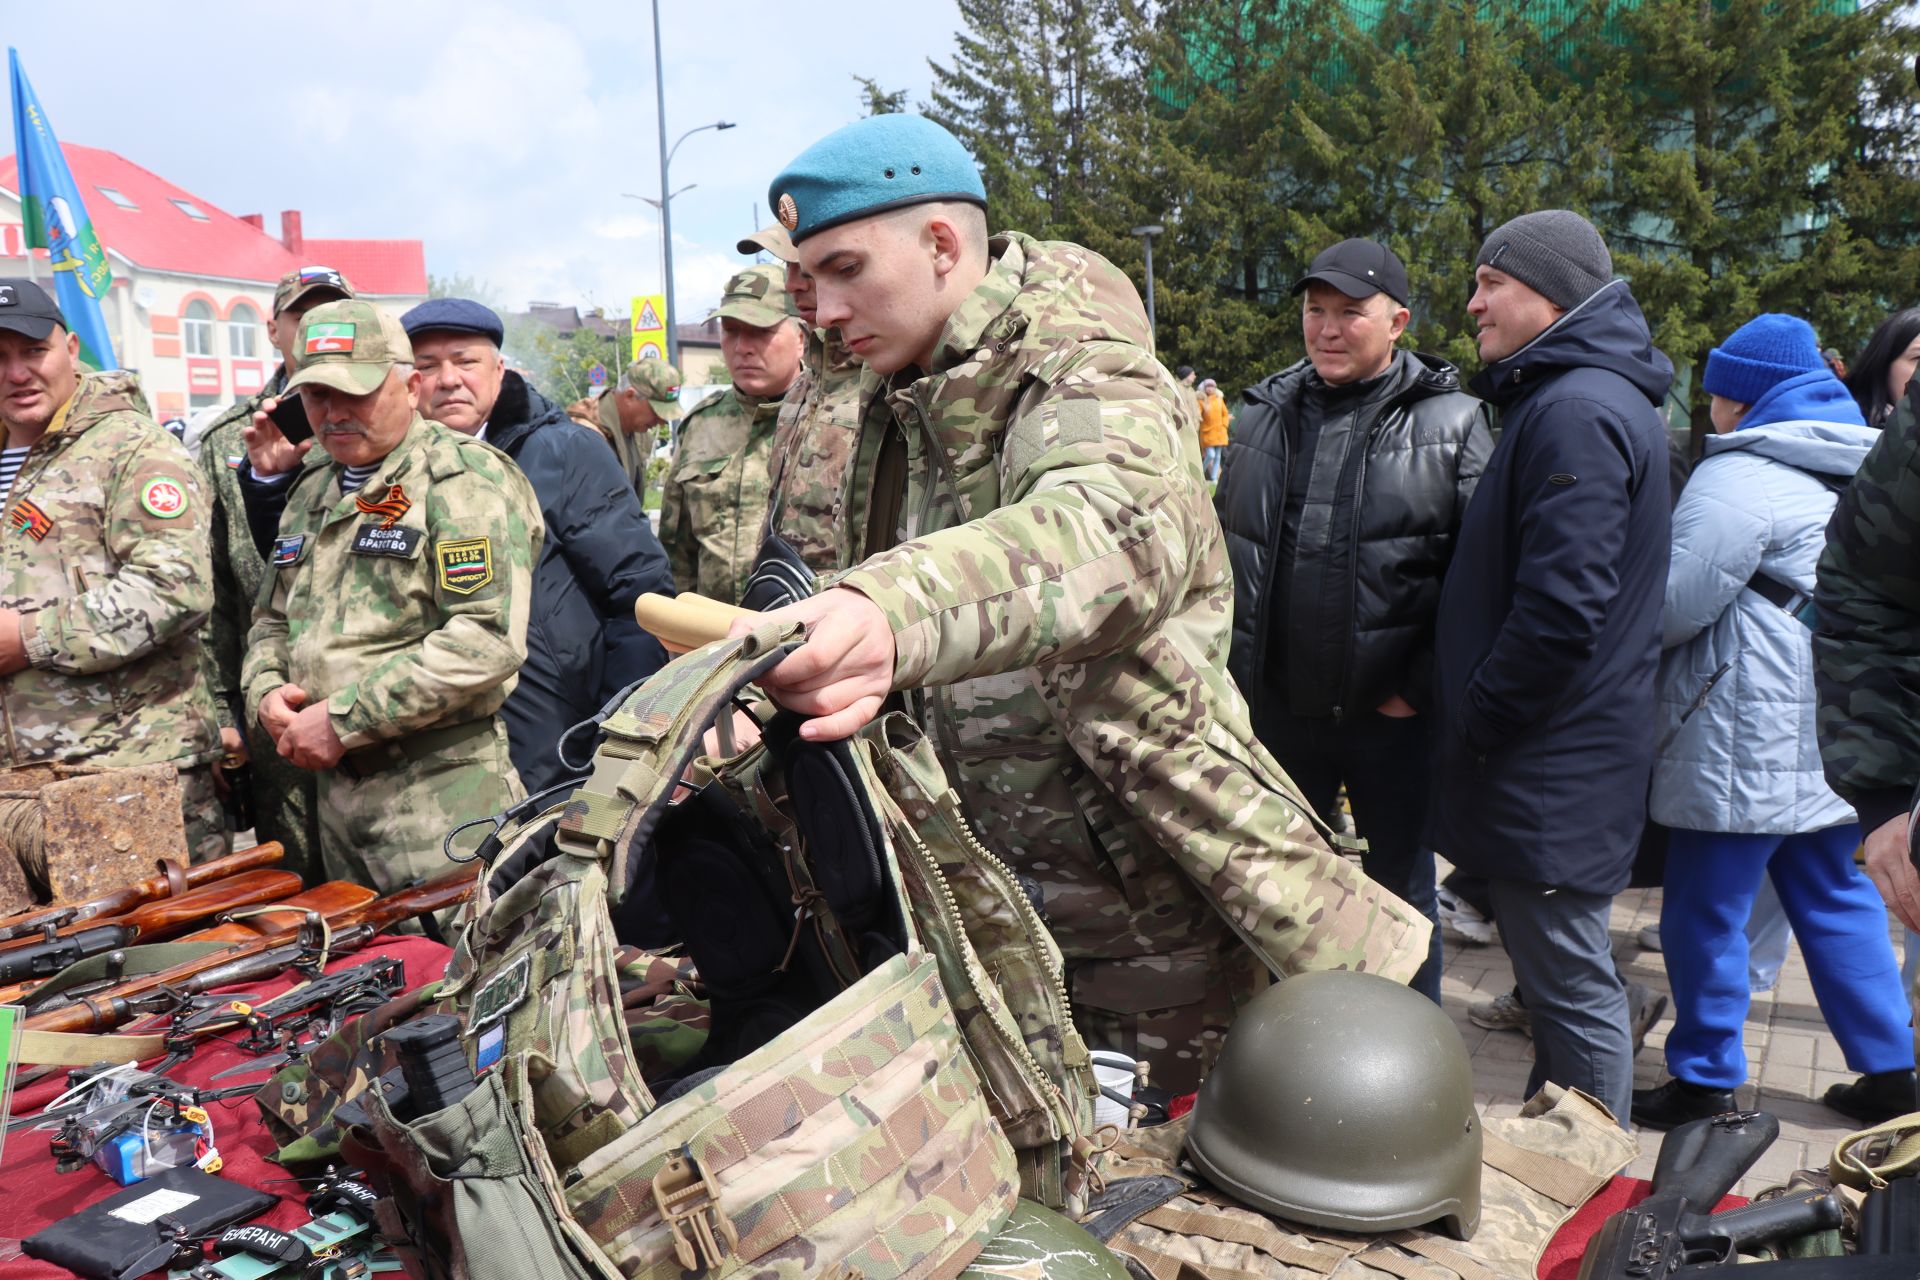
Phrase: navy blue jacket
(599, 554)
(1549, 631)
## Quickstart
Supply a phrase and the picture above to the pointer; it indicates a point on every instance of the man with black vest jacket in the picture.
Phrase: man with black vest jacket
(1344, 488)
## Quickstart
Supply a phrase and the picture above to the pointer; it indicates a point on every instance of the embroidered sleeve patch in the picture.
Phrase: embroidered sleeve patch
(287, 549)
(30, 520)
(389, 508)
(164, 498)
(378, 540)
(465, 566)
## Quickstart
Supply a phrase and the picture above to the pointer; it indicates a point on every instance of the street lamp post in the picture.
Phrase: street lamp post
(666, 196)
(1146, 234)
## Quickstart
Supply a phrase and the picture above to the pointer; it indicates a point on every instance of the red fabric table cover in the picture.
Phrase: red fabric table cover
(1561, 1261)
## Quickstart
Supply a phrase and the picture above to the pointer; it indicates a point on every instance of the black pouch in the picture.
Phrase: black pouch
(779, 578)
(140, 1229)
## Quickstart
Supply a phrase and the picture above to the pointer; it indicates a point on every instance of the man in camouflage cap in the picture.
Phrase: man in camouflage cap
(818, 423)
(714, 503)
(1046, 581)
(647, 395)
(393, 617)
(283, 795)
(103, 571)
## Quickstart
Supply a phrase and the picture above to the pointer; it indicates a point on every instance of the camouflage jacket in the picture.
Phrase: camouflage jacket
(812, 448)
(237, 564)
(1868, 596)
(714, 503)
(1063, 608)
(632, 450)
(404, 605)
(104, 552)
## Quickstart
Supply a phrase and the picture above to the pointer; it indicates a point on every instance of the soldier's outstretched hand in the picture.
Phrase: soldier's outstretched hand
(844, 672)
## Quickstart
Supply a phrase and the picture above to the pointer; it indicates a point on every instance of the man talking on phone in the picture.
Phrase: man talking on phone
(283, 795)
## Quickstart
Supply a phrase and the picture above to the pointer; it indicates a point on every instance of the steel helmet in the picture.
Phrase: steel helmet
(1344, 1100)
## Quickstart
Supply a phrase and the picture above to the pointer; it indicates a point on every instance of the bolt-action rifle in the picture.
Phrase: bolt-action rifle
(173, 881)
(150, 922)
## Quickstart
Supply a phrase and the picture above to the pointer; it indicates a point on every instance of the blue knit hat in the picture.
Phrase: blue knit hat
(1763, 352)
(870, 166)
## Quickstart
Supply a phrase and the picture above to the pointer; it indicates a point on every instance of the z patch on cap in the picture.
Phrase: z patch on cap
(465, 566)
(324, 338)
(164, 498)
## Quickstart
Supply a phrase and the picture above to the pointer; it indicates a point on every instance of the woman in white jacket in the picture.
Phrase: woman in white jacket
(1738, 774)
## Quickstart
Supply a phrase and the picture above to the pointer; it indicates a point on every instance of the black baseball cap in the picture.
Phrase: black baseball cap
(26, 308)
(1359, 269)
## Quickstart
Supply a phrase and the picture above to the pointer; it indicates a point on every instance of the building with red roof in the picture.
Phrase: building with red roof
(193, 284)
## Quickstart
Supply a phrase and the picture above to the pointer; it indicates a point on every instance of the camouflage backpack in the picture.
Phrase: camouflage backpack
(889, 1059)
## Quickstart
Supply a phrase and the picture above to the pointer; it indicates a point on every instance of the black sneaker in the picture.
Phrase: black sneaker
(1874, 1097)
(1676, 1102)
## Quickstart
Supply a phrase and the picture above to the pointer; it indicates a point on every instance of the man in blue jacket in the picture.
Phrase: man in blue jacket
(1549, 633)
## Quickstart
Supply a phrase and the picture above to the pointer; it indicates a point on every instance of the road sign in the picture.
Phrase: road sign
(650, 326)
(597, 376)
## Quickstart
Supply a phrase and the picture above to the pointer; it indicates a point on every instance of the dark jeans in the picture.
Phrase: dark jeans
(1383, 762)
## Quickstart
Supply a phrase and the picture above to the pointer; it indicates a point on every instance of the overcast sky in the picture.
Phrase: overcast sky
(502, 135)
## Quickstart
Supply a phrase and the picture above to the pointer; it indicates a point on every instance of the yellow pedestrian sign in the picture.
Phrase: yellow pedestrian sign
(650, 326)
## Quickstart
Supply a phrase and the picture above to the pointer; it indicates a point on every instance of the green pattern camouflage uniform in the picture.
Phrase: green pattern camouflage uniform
(283, 795)
(714, 502)
(1868, 595)
(818, 425)
(1062, 611)
(632, 450)
(414, 668)
(104, 552)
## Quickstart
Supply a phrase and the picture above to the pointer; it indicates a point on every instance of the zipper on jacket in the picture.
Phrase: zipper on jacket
(1700, 698)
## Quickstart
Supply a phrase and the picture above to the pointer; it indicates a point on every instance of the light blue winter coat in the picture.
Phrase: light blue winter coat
(1737, 751)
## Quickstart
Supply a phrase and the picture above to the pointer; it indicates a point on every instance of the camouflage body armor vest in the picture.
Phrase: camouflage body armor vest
(890, 1059)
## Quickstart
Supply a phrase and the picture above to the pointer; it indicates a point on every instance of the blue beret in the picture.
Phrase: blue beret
(453, 315)
(872, 165)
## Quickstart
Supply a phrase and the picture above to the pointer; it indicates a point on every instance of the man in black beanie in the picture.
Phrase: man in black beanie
(1549, 633)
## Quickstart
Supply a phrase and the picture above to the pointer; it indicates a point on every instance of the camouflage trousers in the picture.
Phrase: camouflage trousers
(1170, 1011)
(207, 835)
(284, 806)
(385, 828)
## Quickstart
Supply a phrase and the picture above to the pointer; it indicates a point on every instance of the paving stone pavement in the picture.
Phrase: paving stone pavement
(1791, 1056)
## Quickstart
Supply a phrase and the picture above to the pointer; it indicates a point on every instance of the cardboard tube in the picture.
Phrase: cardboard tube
(684, 623)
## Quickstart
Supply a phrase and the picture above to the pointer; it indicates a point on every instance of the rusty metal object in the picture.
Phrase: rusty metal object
(100, 829)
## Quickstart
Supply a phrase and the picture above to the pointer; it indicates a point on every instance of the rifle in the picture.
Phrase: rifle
(248, 961)
(148, 923)
(174, 881)
(1674, 1233)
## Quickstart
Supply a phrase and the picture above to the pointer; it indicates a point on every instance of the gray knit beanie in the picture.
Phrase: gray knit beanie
(1554, 252)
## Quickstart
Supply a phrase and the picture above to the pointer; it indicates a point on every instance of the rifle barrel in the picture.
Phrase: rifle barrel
(28, 925)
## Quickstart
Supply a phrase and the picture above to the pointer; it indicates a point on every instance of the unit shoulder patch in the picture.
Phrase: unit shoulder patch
(289, 549)
(464, 566)
(164, 498)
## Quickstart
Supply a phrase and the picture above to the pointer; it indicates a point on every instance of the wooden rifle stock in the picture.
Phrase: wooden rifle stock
(162, 919)
(329, 900)
(683, 623)
(352, 928)
(27, 928)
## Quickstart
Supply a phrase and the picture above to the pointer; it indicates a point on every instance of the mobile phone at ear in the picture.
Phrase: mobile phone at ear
(290, 415)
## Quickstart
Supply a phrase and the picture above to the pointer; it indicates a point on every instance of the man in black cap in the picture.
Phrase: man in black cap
(600, 551)
(1343, 492)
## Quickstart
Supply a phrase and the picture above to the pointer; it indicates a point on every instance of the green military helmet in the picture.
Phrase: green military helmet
(1343, 1100)
(1039, 1244)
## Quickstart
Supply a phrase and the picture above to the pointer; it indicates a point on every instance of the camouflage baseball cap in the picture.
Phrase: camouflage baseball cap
(758, 296)
(658, 384)
(771, 239)
(349, 346)
(296, 285)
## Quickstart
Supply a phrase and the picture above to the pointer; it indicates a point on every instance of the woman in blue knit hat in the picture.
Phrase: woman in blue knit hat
(1738, 773)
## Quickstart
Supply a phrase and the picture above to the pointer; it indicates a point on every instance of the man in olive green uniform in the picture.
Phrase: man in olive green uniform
(819, 421)
(104, 579)
(393, 617)
(647, 395)
(1047, 584)
(283, 795)
(714, 504)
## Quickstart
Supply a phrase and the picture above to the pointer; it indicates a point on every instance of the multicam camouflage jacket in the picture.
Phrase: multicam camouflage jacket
(237, 563)
(104, 552)
(1062, 610)
(405, 604)
(812, 448)
(714, 503)
(1868, 597)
